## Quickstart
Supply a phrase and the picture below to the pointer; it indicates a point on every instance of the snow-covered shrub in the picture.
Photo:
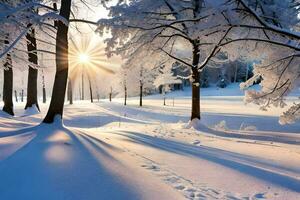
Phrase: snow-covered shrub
(221, 126)
(245, 127)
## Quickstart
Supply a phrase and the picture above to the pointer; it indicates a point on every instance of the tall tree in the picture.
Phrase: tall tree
(141, 87)
(145, 77)
(32, 99)
(91, 89)
(194, 32)
(82, 84)
(125, 87)
(164, 80)
(70, 91)
(44, 88)
(110, 93)
(161, 29)
(8, 84)
(62, 65)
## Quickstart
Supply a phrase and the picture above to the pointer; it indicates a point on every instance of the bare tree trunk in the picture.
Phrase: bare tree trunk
(125, 95)
(235, 72)
(16, 96)
(8, 88)
(110, 94)
(32, 72)
(79, 92)
(70, 92)
(141, 94)
(44, 88)
(60, 82)
(44, 95)
(195, 83)
(91, 90)
(164, 94)
(8, 85)
(22, 95)
(82, 86)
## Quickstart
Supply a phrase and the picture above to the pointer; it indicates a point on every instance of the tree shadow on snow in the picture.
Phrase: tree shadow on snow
(251, 135)
(96, 120)
(242, 163)
(63, 164)
(262, 123)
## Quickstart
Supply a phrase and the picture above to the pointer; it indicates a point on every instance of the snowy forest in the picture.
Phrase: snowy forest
(149, 99)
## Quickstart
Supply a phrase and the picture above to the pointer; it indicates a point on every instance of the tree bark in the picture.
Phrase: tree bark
(82, 86)
(44, 89)
(70, 92)
(110, 94)
(195, 82)
(235, 72)
(44, 95)
(141, 94)
(8, 89)
(16, 96)
(163, 91)
(91, 90)
(22, 95)
(8, 86)
(125, 95)
(60, 82)
(79, 92)
(32, 72)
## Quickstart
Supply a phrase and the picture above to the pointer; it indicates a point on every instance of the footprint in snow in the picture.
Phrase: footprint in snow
(151, 167)
(189, 189)
(171, 179)
(196, 142)
(190, 192)
(259, 196)
(179, 187)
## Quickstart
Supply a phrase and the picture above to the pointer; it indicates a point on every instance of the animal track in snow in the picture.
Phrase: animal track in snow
(187, 188)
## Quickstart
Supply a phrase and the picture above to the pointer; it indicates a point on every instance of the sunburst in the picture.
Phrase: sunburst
(88, 60)
(83, 58)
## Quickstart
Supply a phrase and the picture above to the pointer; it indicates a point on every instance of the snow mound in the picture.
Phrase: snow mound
(247, 127)
(195, 124)
(31, 111)
(221, 126)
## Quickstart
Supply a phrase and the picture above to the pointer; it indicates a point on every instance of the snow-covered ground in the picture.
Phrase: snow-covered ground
(109, 151)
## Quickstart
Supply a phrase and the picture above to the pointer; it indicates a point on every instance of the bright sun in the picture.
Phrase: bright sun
(83, 58)
(86, 53)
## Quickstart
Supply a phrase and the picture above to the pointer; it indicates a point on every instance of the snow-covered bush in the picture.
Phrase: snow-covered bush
(221, 126)
(245, 127)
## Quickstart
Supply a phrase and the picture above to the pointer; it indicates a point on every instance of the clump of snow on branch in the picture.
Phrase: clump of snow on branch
(291, 115)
